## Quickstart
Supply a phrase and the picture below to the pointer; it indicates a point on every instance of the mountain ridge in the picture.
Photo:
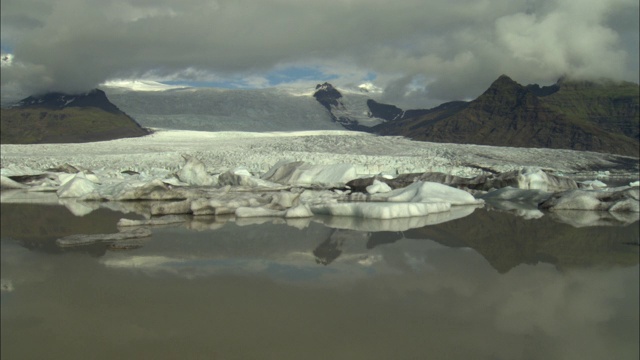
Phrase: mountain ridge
(66, 118)
(513, 115)
(590, 116)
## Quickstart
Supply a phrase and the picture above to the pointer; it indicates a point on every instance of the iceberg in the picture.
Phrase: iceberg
(422, 191)
(313, 173)
(7, 183)
(625, 200)
(194, 172)
(303, 173)
(77, 186)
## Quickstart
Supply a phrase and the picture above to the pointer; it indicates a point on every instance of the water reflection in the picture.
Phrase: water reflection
(504, 240)
(525, 209)
(265, 289)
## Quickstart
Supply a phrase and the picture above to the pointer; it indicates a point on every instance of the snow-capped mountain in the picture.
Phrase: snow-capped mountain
(351, 110)
(272, 109)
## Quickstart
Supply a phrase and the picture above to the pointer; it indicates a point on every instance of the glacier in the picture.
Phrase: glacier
(213, 109)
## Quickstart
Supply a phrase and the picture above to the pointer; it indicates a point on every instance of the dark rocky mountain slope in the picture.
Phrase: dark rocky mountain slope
(64, 118)
(601, 117)
(359, 112)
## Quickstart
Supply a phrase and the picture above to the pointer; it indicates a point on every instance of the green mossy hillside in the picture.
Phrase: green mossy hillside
(69, 125)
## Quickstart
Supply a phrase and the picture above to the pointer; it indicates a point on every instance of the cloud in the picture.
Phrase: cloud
(453, 49)
(572, 40)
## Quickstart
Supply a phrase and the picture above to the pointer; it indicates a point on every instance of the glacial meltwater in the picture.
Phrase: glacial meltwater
(489, 285)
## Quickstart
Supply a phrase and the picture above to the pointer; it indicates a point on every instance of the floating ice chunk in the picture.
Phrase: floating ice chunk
(153, 190)
(240, 179)
(241, 171)
(378, 187)
(284, 200)
(15, 170)
(513, 194)
(521, 202)
(300, 211)
(303, 173)
(164, 220)
(174, 181)
(313, 197)
(381, 210)
(622, 200)
(535, 178)
(20, 196)
(91, 177)
(581, 218)
(64, 178)
(246, 212)
(77, 187)
(7, 183)
(635, 183)
(432, 192)
(527, 178)
(194, 172)
(227, 203)
(592, 184)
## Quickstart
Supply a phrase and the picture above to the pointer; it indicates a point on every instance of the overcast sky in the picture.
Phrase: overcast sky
(419, 51)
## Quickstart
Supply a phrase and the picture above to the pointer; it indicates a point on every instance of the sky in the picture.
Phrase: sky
(419, 52)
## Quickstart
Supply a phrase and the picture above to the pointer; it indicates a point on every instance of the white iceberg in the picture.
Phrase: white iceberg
(378, 187)
(194, 172)
(426, 191)
(299, 212)
(7, 183)
(246, 212)
(303, 173)
(76, 187)
(626, 200)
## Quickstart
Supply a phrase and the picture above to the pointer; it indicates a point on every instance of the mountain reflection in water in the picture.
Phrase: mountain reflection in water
(503, 239)
(482, 284)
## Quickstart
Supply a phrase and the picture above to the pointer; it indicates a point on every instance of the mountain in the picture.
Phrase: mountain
(255, 110)
(588, 116)
(542, 240)
(595, 116)
(357, 110)
(329, 97)
(58, 101)
(66, 118)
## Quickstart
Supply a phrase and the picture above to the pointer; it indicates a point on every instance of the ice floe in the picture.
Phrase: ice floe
(625, 200)
(306, 175)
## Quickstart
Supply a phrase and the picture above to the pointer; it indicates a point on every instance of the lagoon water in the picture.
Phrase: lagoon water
(490, 285)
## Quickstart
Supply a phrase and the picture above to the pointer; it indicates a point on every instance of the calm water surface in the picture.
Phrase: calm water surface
(490, 285)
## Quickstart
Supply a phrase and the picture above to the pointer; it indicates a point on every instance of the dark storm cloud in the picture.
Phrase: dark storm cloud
(452, 49)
